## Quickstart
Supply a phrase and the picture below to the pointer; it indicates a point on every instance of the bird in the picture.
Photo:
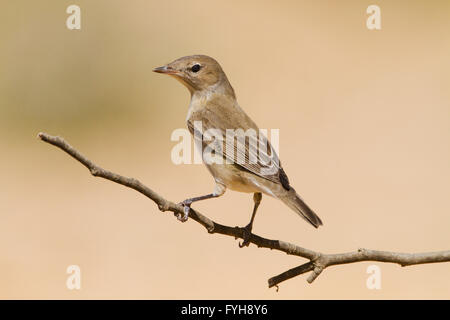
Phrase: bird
(213, 104)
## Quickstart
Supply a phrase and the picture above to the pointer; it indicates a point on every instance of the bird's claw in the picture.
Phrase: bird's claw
(186, 208)
(247, 231)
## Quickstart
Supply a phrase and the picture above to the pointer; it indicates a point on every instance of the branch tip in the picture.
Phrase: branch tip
(314, 274)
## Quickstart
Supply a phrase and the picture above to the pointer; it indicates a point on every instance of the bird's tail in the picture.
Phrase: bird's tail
(293, 201)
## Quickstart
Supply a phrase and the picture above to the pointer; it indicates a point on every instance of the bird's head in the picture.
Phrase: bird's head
(197, 73)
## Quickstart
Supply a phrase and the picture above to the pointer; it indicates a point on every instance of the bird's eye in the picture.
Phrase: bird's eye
(195, 68)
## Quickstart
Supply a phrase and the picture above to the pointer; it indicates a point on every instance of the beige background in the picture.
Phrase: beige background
(364, 119)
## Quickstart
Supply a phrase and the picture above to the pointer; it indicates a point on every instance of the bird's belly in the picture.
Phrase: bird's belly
(236, 179)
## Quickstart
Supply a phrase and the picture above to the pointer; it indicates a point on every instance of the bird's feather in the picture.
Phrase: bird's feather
(221, 113)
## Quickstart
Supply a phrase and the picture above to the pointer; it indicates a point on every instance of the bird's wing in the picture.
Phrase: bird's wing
(249, 148)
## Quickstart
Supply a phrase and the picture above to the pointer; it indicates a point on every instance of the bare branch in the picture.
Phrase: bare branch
(317, 261)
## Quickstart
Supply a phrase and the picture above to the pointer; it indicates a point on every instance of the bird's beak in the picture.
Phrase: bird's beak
(165, 70)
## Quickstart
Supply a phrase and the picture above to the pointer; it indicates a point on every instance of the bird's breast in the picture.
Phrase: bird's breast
(196, 104)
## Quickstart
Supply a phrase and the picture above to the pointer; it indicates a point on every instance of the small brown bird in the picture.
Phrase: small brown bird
(213, 104)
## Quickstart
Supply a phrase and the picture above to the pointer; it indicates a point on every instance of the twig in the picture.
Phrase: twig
(317, 261)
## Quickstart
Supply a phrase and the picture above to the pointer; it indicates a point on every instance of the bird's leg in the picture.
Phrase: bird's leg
(257, 196)
(218, 191)
(187, 205)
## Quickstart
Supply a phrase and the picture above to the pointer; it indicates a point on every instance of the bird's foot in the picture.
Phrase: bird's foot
(247, 232)
(186, 208)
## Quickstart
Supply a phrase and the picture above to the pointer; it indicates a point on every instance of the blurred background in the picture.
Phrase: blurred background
(364, 119)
